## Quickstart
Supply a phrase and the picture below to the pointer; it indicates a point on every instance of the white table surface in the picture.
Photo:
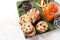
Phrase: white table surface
(9, 27)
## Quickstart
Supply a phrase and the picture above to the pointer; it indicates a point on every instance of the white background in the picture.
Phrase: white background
(9, 27)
